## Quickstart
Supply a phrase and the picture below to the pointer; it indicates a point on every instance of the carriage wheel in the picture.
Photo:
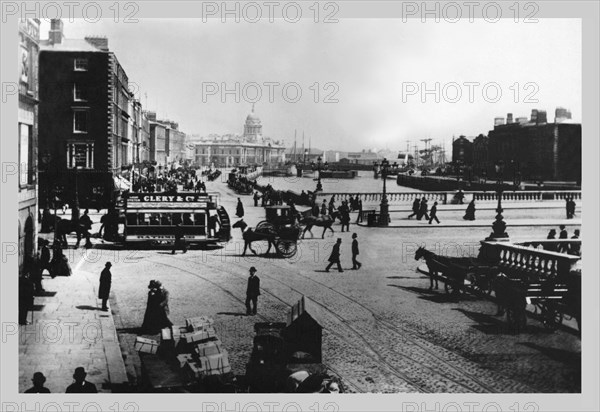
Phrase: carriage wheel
(266, 228)
(552, 318)
(286, 248)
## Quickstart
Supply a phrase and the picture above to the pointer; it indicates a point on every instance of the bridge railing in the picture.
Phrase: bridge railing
(528, 263)
(450, 197)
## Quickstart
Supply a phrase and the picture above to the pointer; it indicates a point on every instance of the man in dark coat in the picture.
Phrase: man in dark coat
(26, 297)
(335, 256)
(252, 292)
(575, 248)
(105, 283)
(433, 213)
(163, 310)
(239, 211)
(179, 240)
(563, 247)
(86, 222)
(415, 208)
(423, 208)
(324, 207)
(315, 210)
(355, 263)
(81, 385)
(359, 209)
(45, 258)
(345, 216)
(38, 384)
(256, 197)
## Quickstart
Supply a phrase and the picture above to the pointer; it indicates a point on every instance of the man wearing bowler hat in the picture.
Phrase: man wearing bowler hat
(104, 287)
(252, 292)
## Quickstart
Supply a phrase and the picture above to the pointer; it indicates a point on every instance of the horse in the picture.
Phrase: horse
(325, 222)
(431, 265)
(443, 266)
(64, 227)
(251, 235)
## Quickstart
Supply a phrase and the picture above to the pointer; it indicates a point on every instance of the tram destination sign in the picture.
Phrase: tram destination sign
(152, 201)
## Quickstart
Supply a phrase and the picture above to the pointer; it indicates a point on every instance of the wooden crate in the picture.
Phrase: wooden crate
(199, 323)
(146, 345)
(208, 348)
(199, 336)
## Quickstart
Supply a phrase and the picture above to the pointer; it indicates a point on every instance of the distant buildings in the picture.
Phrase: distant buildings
(29, 37)
(251, 148)
(534, 148)
(168, 144)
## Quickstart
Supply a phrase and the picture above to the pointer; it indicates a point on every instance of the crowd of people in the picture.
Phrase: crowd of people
(572, 248)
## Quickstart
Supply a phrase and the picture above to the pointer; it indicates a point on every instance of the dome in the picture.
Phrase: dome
(252, 119)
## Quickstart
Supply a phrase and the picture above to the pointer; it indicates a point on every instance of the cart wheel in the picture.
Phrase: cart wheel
(552, 319)
(286, 248)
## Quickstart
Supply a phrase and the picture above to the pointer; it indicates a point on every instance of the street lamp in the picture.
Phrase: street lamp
(320, 166)
(384, 214)
(499, 226)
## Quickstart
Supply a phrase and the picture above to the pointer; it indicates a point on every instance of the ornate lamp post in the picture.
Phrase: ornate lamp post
(384, 214)
(499, 226)
(320, 166)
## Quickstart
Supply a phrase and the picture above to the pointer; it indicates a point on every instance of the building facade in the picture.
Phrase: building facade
(29, 37)
(84, 120)
(251, 148)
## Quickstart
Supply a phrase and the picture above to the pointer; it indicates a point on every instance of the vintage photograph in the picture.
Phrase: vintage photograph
(234, 203)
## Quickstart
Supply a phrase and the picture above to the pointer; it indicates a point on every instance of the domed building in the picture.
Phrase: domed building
(251, 148)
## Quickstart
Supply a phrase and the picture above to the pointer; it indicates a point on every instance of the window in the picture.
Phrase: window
(81, 65)
(26, 175)
(80, 155)
(78, 93)
(80, 120)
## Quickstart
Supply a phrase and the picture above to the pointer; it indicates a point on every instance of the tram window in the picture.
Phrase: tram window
(142, 219)
(199, 219)
(176, 219)
(131, 219)
(155, 219)
(187, 219)
(165, 219)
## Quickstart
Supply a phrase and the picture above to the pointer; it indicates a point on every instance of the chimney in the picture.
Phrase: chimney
(100, 42)
(498, 121)
(561, 114)
(152, 116)
(509, 118)
(55, 35)
(534, 114)
(541, 117)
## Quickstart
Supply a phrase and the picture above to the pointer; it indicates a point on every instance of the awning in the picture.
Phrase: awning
(121, 183)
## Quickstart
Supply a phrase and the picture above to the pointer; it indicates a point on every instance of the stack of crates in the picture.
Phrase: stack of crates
(198, 350)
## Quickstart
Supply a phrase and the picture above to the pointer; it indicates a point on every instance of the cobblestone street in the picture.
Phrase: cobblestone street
(384, 331)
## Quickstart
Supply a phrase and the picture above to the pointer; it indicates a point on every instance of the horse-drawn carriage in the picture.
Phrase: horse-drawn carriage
(278, 229)
(458, 273)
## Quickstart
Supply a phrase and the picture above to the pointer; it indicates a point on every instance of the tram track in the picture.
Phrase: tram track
(357, 386)
(449, 375)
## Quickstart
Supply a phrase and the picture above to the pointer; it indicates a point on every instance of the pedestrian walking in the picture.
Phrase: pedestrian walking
(359, 208)
(433, 213)
(252, 292)
(335, 256)
(35, 274)
(38, 384)
(415, 208)
(150, 323)
(105, 283)
(470, 212)
(355, 263)
(423, 208)
(239, 210)
(26, 298)
(551, 236)
(256, 197)
(571, 211)
(563, 232)
(345, 216)
(324, 207)
(179, 240)
(86, 223)
(45, 258)
(315, 210)
(81, 385)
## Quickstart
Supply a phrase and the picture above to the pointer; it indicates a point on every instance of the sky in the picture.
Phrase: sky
(369, 74)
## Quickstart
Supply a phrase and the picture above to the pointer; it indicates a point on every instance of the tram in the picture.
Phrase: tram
(153, 217)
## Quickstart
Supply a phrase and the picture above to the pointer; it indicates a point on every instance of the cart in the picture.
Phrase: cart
(280, 225)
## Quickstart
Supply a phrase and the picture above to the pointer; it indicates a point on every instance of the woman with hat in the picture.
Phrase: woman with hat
(149, 324)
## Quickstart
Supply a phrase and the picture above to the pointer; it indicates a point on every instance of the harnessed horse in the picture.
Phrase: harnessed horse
(64, 227)
(325, 222)
(251, 235)
(442, 266)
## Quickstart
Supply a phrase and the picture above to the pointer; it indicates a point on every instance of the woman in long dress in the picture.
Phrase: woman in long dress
(150, 325)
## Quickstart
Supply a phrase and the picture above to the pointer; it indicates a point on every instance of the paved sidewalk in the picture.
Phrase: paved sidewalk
(70, 330)
(444, 222)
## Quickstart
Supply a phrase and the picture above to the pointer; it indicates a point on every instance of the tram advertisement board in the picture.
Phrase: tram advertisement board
(150, 201)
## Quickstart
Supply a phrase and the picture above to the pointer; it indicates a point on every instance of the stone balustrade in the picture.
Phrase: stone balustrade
(528, 263)
(524, 196)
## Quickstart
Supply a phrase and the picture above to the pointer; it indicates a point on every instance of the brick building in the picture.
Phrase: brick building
(84, 119)
(29, 37)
